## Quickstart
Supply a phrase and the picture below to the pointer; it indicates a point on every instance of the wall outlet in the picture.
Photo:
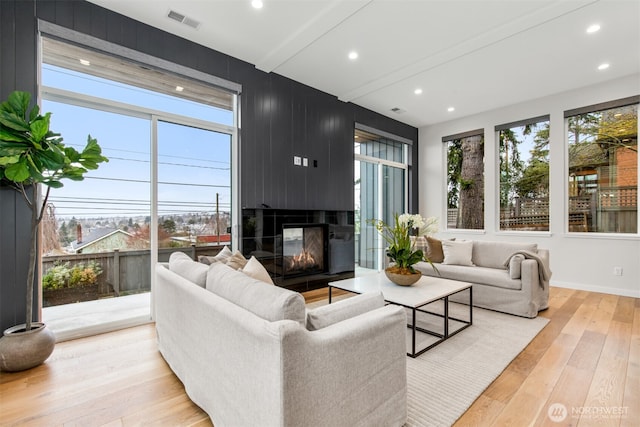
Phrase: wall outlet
(617, 271)
(297, 160)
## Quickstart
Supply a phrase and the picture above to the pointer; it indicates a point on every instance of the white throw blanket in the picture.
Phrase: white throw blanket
(544, 272)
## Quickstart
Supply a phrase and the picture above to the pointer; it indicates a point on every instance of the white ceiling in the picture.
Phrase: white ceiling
(474, 55)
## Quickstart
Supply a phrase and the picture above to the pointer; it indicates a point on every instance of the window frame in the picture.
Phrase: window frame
(603, 106)
(72, 37)
(506, 126)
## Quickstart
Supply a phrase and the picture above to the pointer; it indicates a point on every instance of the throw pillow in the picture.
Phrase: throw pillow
(255, 269)
(223, 255)
(327, 315)
(434, 250)
(207, 260)
(515, 266)
(181, 264)
(419, 242)
(236, 261)
(457, 252)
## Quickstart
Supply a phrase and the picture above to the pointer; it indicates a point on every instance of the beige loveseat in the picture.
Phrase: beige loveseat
(250, 354)
(509, 277)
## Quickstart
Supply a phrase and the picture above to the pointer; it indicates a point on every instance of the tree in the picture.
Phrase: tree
(50, 240)
(510, 164)
(534, 182)
(63, 234)
(471, 215)
(454, 168)
(169, 225)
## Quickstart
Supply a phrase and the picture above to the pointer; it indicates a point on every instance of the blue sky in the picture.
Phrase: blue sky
(193, 163)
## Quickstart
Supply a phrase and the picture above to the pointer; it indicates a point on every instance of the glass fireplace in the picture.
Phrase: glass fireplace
(304, 249)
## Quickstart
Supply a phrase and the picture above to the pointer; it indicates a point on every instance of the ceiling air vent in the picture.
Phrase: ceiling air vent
(183, 19)
(398, 110)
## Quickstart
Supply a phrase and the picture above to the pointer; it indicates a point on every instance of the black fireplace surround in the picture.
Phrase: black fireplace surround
(299, 247)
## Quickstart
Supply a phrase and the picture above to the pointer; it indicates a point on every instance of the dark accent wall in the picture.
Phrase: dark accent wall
(280, 117)
(18, 70)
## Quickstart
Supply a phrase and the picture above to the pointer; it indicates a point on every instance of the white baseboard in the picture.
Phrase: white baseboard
(600, 289)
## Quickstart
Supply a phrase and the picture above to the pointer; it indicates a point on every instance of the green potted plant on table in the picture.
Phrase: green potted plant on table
(401, 247)
(31, 156)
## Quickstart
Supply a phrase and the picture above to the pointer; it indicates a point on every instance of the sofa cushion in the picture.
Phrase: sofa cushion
(269, 302)
(256, 270)
(515, 266)
(327, 315)
(223, 255)
(479, 275)
(494, 254)
(181, 264)
(236, 261)
(457, 252)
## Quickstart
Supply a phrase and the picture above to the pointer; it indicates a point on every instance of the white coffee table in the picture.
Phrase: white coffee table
(428, 290)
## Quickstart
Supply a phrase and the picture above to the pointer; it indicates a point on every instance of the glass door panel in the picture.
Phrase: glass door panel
(379, 194)
(194, 189)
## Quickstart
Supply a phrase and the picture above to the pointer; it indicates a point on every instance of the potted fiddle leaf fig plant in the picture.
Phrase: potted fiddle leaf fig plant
(33, 159)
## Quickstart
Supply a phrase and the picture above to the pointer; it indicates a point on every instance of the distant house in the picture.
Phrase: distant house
(224, 239)
(101, 240)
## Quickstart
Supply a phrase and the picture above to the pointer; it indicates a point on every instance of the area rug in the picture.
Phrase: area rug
(445, 381)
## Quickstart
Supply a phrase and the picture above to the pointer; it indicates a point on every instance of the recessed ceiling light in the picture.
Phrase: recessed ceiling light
(257, 4)
(593, 28)
(85, 62)
(353, 55)
(450, 109)
(417, 91)
(179, 88)
(603, 66)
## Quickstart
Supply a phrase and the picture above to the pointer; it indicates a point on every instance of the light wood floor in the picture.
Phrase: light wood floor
(587, 358)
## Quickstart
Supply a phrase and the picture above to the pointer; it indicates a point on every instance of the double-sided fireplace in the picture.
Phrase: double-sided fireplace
(300, 247)
(304, 249)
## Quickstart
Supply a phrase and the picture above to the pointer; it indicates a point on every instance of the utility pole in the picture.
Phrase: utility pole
(218, 217)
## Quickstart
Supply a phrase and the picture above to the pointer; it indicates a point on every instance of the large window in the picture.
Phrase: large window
(168, 182)
(524, 174)
(465, 180)
(603, 167)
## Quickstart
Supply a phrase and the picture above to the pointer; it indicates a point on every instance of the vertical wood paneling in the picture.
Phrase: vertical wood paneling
(64, 13)
(17, 72)
(98, 26)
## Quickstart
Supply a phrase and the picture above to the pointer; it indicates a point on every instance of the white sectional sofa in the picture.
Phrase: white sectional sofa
(250, 354)
(509, 277)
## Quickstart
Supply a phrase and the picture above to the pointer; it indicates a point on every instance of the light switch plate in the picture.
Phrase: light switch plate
(297, 160)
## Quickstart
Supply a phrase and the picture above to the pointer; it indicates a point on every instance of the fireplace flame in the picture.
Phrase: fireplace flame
(302, 261)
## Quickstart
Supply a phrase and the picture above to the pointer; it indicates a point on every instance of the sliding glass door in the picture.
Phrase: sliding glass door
(380, 192)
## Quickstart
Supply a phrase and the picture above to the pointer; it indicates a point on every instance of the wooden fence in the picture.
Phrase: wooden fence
(608, 210)
(125, 272)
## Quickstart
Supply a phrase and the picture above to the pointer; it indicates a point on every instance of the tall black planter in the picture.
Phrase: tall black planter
(14, 253)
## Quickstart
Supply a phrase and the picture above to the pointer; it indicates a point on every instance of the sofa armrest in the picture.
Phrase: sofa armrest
(352, 372)
(327, 315)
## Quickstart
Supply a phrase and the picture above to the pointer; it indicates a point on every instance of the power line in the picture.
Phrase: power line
(159, 182)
